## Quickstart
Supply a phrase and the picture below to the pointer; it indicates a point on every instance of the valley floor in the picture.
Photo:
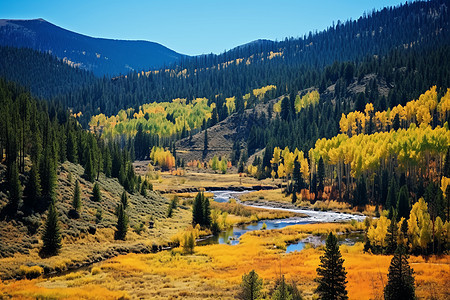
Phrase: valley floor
(215, 271)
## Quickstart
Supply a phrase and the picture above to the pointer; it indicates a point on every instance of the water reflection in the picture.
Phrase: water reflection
(231, 236)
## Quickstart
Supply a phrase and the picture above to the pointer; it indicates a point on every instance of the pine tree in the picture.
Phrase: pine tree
(403, 206)
(72, 150)
(360, 197)
(391, 236)
(297, 176)
(400, 284)
(124, 199)
(76, 202)
(391, 198)
(320, 175)
(206, 212)
(197, 210)
(48, 176)
(122, 223)
(15, 189)
(89, 171)
(96, 193)
(52, 235)
(32, 190)
(251, 286)
(331, 272)
(107, 163)
(282, 290)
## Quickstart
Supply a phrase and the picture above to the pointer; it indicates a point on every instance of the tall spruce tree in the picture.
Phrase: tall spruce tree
(400, 284)
(297, 176)
(391, 198)
(52, 235)
(281, 291)
(48, 176)
(76, 201)
(391, 236)
(32, 190)
(15, 189)
(124, 199)
(206, 212)
(331, 272)
(197, 209)
(320, 175)
(96, 193)
(122, 223)
(403, 206)
(89, 171)
(251, 286)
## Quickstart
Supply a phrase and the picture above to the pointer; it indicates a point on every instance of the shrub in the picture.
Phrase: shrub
(31, 272)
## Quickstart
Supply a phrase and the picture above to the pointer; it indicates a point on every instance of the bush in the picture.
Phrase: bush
(31, 272)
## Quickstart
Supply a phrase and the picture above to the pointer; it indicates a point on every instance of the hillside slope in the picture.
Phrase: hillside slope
(102, 56)
(87, 240)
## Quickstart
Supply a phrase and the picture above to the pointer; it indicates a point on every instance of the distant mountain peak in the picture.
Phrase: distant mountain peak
(99, 55)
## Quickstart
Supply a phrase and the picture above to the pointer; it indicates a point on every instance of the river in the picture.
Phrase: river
(232, 235)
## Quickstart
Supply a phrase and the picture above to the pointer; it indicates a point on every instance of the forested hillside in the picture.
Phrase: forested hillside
(291, 65)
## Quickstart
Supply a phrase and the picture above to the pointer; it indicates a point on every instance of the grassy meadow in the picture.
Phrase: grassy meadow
(215, 271)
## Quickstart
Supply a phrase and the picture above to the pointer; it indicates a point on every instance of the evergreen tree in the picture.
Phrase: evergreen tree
(320, 175)
(48, 176)
(76, 202)
(251, 286)
(32, 190)
(297, 176)
(96, 193)
(403, 206)
(400, 284)
(122, 223)
(197, 209)
(52, 235)
(391, 236)
(72, 151)
(206, 212)
(282, 290)
(124, 199)
(15, 189)
(360, 197)
(89, 171)
(391, 198)
(331, 272)
(107, 163)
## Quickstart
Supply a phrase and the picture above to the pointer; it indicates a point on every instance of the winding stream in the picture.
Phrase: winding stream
(232, 235)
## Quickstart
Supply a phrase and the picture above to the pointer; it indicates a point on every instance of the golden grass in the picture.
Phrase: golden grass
(200, 179)
(30, 289)
(215, 271)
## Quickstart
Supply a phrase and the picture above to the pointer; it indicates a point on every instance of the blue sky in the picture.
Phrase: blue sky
(192, 26)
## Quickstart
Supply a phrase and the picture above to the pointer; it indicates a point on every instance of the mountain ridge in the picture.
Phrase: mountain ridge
(100, 55)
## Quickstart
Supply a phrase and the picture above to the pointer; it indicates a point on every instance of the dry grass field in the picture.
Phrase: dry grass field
(215, 271)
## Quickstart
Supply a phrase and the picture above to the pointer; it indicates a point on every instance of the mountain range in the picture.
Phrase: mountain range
(99, 55)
